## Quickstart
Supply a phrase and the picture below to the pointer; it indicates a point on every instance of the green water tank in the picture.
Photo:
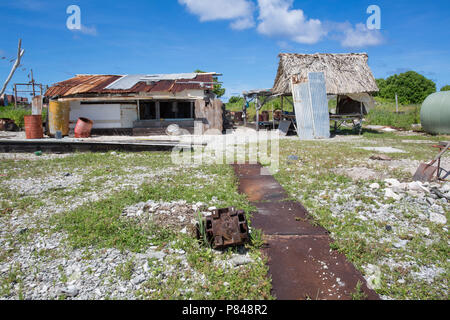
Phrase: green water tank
(435, 113)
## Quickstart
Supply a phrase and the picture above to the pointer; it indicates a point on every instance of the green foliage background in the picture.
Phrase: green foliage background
(18, 114)
(411, 87)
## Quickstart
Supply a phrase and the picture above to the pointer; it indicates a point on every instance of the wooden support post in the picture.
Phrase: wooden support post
(15, 96)
(273, 119)
(361, 120)
(158, 110)
(138, 109)
(175, 107)
(257, 113)
(244, 111)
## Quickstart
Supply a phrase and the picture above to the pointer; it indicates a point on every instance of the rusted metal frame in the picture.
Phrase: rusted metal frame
(441, 146)
(33, 91)
(227, 227)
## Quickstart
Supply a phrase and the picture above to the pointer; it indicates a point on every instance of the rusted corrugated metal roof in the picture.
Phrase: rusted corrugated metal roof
(96, 84)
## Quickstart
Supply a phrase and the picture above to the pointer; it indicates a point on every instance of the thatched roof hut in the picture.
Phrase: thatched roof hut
(344, 73)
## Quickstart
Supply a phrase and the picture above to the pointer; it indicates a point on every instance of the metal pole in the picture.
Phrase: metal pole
(32, 83)
(396, 103)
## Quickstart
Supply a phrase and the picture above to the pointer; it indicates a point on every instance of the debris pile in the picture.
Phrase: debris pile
(178, 216)
(8, 125)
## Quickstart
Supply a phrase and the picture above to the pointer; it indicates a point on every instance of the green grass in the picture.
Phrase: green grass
(385, 114)
(313, 182)
(125, 270)
(98, 223)
(359, 294)
(218, 283)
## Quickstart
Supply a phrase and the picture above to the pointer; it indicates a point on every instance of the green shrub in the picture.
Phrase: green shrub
(18, 114)
(411, 87)
(446, 88)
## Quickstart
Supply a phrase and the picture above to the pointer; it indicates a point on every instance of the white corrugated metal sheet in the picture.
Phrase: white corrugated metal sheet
(303, 110)
(129, 81)
(319, 104)
(311, 107)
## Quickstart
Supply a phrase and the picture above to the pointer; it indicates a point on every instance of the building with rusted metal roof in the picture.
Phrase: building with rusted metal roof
(137, 104)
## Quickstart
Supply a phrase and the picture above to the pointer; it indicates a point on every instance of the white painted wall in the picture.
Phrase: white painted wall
(105, 116)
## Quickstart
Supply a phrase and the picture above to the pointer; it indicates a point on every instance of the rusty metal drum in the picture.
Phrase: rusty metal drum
(33, 127)
(83, 128)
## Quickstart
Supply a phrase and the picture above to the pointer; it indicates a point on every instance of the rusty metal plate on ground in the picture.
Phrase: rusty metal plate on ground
(227, 227)
(246, 170)
(258, 184)
(304, 267)
(284, 218)
(262, 188)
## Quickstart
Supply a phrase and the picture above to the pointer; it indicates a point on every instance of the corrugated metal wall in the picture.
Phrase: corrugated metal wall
(319, 104)
(311, 107)
(303, 110)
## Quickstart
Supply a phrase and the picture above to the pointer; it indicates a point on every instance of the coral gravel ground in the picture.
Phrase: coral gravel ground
(119, 225)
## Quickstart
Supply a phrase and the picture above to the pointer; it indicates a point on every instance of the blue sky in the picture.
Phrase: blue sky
(239, 38)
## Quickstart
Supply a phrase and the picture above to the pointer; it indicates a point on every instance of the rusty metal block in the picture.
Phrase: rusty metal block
(227, 227)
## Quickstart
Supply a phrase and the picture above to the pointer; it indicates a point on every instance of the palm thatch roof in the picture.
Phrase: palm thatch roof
(344, 73)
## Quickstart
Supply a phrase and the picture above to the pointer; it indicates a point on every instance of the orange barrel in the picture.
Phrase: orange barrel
(83, 128)
(33, 127)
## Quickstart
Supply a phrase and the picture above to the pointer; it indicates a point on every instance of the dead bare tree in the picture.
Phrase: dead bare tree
(20, 53)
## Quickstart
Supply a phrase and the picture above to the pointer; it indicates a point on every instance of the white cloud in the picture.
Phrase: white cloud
(29, 5)
(240, 11)
(278, 19)
(359, 36)
(242, 24)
